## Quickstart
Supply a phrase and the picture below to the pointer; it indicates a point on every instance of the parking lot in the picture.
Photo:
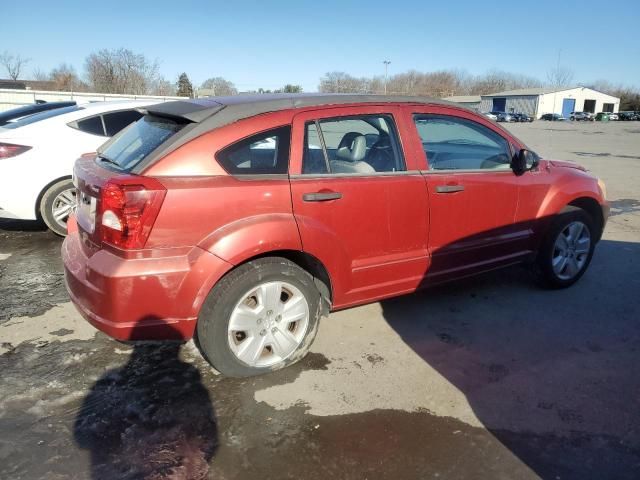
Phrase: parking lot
(490, 377)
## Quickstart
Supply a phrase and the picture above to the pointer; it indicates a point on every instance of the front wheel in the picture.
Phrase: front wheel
(262, 316)
(567, 249)
(58, 202)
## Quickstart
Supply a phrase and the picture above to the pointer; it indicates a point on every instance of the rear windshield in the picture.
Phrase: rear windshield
(134, 143)
(36, 117)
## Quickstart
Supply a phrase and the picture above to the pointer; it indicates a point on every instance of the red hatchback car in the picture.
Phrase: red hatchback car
(243, 220)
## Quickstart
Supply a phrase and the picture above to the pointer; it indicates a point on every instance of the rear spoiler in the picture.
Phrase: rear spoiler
(180, 110)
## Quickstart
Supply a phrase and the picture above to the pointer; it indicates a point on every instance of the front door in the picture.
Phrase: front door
(359, 202)
(473, 195)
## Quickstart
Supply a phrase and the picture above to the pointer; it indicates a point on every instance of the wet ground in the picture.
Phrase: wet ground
(486, 378)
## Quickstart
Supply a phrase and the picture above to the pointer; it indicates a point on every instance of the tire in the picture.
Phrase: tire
(58, 199)
(570, 256)
(572, 118)
(259, 291)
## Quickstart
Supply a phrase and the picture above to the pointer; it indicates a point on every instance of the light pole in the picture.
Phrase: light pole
(386, 68)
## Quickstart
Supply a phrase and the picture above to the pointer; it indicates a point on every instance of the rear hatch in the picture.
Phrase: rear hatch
(116, 207)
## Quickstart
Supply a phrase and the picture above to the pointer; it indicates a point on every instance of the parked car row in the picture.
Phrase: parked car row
(629, 116)
(37, 152)
(508, 116)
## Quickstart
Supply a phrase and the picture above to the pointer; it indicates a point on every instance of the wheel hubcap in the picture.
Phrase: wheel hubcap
(63, 205)
(571, 250)
(268, 324)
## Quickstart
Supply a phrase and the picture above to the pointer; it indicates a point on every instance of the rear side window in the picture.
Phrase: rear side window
(91, 125)
(116, 121)
(133, 144)
(262, 154)
(363, 144)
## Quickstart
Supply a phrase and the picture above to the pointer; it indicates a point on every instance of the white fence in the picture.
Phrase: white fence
(10, 98)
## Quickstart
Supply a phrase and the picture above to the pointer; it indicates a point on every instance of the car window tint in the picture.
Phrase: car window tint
(130, 146)
(116, 121)
(264, 153)
(452, 143)
(365, 144)
(91, 125)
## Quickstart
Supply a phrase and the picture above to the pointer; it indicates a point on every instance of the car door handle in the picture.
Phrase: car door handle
(321, 196)
(449, 188)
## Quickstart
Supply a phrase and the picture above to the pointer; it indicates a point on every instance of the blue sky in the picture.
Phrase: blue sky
(270, 43)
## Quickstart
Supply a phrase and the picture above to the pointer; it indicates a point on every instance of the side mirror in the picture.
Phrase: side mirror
(524, 160)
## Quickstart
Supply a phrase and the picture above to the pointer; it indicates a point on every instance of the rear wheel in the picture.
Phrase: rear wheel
(260, 317)
(57, 203)
(567, 249)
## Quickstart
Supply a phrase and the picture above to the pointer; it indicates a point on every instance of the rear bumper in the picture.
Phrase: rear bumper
(155, 298)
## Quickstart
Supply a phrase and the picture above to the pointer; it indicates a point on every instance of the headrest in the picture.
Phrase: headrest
(352, 148)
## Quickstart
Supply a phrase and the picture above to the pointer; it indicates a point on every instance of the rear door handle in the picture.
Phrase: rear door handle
(449, 188)
(321, 196)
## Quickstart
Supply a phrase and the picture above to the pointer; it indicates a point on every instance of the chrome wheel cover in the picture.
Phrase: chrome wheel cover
(63, 205)
(571, 250)
(268, 324)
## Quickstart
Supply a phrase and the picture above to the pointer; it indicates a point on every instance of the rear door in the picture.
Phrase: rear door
(473, 193)
(359, 202)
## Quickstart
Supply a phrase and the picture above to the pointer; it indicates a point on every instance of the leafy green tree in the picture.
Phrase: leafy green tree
(185, 88)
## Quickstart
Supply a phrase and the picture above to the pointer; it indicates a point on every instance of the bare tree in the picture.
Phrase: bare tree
(66, 79)
(220, 86)
(13, 64)
(341, 82)
(40, 75)
(162, 86)
(120, 71)
(560, 76)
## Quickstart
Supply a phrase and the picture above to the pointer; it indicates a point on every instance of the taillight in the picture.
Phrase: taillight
(128, 209)
(8, 150)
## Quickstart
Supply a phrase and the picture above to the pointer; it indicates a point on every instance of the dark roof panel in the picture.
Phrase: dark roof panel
(219, 111)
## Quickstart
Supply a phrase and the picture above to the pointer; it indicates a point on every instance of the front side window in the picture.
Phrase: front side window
(363, 144)
(453, 143)
(262, 154)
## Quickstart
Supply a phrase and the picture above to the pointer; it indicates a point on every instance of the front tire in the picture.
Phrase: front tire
(261, 317)
(57, 203)
(567, 249)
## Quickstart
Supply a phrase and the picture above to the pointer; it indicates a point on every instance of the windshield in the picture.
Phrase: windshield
(36, 117)
(134, 143)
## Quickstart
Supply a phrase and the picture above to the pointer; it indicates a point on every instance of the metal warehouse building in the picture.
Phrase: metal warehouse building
(470, 101)
(538, 101)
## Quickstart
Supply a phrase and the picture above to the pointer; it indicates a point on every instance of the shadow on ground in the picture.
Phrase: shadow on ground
(151, 418)
(551, 374)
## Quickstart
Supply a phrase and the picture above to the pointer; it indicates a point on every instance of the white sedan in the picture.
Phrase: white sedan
(37, 155)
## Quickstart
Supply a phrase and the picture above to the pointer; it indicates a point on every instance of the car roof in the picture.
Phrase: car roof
(233, 108)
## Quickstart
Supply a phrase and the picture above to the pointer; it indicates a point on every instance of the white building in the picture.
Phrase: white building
(538, 101)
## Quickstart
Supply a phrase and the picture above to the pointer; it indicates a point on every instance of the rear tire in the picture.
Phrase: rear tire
(567, 249)
(261, 317)
(57, 203)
